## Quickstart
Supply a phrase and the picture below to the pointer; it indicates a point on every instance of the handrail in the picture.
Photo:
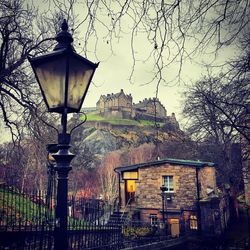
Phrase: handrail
(130, 198)
(116, 204)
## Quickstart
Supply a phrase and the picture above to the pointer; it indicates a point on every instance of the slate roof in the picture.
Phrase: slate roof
(197, 164)
(114, 96)
(146, 101)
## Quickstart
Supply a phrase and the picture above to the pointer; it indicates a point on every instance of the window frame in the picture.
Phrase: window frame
(193, 222)
(153, 219)
(168, 183)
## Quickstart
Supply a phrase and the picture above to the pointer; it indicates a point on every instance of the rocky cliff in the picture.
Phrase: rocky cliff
(95, 139)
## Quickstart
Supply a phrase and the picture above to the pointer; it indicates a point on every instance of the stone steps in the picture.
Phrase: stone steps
(117, 218)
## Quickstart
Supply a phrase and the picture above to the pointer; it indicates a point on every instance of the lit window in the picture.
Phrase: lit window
(130, 175)
(193, 222)
(153, 219)
(168, 182)
(131, 186)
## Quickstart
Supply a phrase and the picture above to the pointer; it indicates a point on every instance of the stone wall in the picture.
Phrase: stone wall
(207, 180)
(144, 214)
(160, 110)
(150, 107)
(215, 215)
(107, 125)
(212, 214)
(148, 193)
(124, 102)
(144, 116)
(150, 180)
(119, 114)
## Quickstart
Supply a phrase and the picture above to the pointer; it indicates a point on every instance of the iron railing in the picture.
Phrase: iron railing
(28, 222)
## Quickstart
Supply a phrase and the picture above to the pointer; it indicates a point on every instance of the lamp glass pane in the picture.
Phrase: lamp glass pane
(51, 75)
(79, 77)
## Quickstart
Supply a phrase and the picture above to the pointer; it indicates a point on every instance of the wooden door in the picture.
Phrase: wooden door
(175, 227)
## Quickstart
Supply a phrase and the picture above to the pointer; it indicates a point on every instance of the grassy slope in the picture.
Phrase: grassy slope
(116, 121)
(19, 206)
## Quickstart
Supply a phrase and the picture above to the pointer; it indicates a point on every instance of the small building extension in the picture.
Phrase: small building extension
(190, 197)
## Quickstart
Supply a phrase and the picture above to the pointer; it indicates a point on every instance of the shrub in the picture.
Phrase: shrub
(135, 232)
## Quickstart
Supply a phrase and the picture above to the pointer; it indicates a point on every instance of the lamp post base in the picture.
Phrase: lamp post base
(63, 158)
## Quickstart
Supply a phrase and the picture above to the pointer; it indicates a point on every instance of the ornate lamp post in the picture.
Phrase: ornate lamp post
(165, 197)
(163, 191)
(64, 78)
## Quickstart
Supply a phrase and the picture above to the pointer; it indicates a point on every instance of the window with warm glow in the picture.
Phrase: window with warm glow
(131, 186)
(130, 175)
(193, 222)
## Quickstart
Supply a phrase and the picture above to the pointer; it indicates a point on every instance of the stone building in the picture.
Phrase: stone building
(117, 105)
(190, 186)
(120, 105)
(149, 108)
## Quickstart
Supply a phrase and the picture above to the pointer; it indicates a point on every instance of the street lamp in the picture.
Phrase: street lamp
(64, 78)
(165, 197)
(163, 190)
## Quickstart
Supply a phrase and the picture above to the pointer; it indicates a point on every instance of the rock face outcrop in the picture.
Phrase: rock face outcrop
(101, 142)
(94, 140)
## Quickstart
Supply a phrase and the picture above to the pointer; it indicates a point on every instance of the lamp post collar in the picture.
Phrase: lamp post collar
(64, 38)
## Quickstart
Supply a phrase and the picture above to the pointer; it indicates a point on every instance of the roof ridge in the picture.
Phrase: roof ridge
(191, 163)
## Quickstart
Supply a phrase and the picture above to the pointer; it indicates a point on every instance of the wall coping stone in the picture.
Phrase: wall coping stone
(190, 163)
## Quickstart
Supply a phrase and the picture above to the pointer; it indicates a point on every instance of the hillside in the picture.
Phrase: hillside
(94, 117)
(99, 136)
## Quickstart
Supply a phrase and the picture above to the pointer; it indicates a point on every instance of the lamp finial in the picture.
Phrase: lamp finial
(64, 25)
(64, 38)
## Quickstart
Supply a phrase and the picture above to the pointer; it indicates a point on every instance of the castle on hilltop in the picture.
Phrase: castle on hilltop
(120, 105)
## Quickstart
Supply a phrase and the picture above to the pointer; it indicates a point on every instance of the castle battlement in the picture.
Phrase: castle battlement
(121, 105)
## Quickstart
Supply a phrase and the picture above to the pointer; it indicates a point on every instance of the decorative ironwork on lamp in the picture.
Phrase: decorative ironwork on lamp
(63, 75)
(64, 78)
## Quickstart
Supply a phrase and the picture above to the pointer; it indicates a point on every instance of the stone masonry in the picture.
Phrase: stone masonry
(194, 190)
(120, 105)
(150, 179)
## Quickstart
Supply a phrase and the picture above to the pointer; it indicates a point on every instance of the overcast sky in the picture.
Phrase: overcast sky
(114, 70)
(112, 75)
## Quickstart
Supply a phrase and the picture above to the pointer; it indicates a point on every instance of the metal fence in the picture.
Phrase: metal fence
(82, 236)
(19, 209)
(27, 221)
